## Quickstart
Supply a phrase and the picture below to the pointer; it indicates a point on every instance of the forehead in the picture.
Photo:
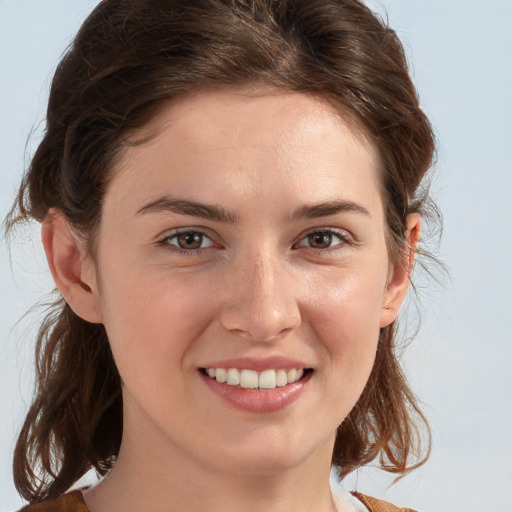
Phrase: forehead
(243, 143)
(219, 114)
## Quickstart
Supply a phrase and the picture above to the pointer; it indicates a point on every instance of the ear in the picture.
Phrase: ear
(73, 272)
(400, 272)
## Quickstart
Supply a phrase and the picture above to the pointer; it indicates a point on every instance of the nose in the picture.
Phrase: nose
(261, 302)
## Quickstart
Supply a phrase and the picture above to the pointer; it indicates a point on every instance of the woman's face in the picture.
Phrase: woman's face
(244, 240)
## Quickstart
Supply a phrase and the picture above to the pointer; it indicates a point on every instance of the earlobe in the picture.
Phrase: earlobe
(71, 272)
(401, 272)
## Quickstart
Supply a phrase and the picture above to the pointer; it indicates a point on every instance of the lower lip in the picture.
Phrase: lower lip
(270, 400)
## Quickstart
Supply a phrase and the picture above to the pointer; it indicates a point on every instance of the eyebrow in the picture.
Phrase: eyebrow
(220, 214)
(192, 208)
(316, 211)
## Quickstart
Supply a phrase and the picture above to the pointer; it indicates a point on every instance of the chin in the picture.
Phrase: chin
(263, 464)
(264, 454)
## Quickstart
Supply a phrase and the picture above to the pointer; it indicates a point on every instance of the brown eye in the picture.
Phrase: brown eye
(190, 241)
(326, 240)
(320, 240)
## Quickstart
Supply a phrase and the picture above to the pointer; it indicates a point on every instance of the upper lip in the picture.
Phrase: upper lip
(258, 364)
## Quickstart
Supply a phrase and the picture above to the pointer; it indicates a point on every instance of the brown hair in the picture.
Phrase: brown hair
(129, 57)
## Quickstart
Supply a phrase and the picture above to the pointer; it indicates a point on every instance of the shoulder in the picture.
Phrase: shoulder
(375, 505)
(69, 502)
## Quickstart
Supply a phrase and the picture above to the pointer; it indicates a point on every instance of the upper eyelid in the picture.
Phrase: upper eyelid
(214, 238)
(344, 233)
(170, 233)
(164, 242)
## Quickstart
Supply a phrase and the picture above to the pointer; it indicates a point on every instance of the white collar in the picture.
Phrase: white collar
(344, 501)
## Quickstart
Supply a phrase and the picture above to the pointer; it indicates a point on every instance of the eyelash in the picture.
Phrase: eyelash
(165, 242)
(345, 239)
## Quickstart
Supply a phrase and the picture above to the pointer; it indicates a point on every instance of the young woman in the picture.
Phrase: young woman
(228, 193)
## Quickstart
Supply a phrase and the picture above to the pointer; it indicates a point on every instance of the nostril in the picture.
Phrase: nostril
(259, 328)
(260, 311)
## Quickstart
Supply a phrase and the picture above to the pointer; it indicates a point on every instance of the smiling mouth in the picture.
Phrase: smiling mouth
(256, 381)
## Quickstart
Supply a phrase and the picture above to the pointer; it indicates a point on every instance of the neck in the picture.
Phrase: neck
(152, 473)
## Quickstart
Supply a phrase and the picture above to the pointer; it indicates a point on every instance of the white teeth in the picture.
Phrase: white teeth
(220, 375)
(281, 378)
(233, 377)
(292, 375)
(250, 379)
(267, 379)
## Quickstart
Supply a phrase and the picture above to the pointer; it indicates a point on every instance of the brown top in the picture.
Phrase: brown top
(74, 502)
(70, 502)
(375, 505)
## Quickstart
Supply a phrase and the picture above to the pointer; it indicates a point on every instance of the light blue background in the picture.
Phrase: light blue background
(461, 363)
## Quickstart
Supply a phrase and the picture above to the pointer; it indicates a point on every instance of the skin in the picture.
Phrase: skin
(259, 286)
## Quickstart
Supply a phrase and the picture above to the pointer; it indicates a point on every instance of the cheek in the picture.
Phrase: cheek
(348, 304)
(153, 320)
(345, 319)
